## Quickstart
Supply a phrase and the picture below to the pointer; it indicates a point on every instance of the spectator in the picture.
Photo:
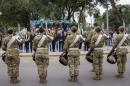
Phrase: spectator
(32, 35)
(61, 38)
(27, 40)
(85, 44)
(55, 28)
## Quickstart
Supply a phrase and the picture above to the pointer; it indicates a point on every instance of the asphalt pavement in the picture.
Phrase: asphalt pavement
(58, 74)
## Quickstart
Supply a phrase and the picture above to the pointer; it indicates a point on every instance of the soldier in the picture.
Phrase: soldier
(120, 43)
(89, 37)
(71, 45)
(97, 43)
(40, 47)
(10, 46)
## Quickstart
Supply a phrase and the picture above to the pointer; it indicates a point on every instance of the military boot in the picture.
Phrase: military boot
(43, 80)
(14, 80)
(97, 77)
(120, 75)
(11, 80)
(75, 78)
(71, 79)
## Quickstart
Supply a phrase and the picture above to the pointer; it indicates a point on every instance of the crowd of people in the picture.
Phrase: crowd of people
(27, 35)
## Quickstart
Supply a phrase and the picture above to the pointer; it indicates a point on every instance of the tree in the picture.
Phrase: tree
(112, 19)
(14, 11)
(21, 11)
(115, 10)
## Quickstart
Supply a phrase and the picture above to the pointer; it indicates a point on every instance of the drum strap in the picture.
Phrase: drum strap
(122, 41)
(42, 40)
(10, 42)
(76, 39)
(98, 40)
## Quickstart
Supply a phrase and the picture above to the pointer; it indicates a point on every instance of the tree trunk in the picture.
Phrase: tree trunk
(69, 16)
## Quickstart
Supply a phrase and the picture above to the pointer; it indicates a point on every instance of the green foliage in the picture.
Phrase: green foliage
(21, 11)
(112, 18)
(14, 11)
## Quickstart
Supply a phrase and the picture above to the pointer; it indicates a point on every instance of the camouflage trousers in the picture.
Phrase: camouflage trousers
(73, 63)
(121, 59)
(97, 61)
(13, 67)
(42, 63)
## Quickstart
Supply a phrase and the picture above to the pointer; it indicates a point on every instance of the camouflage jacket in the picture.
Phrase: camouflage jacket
(100, 44)
(118, 38)
(37, 39)
(69, 40)
(5, 42)
(90, 35)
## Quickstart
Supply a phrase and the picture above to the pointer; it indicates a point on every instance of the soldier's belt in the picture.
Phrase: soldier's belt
(98, 48)
(13, 48)
(123, 47)
(73, 48)
(42, 48)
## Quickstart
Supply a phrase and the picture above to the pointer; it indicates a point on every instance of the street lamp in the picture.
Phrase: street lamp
(107, 16)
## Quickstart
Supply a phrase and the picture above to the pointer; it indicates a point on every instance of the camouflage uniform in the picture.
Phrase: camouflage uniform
(12, 59)
(89, 37)
(73, 55)
(42, 56)
(121, 53)
(98, 55)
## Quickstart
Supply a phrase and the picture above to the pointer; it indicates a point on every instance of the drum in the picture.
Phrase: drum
(63, 59)
(112, 59)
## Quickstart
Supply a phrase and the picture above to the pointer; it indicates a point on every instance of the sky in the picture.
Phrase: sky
(102, 10)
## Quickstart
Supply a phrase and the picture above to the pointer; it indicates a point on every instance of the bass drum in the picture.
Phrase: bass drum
(112, 59)
(89, 55)
(89, 58)
(3, 57)
(63, 59)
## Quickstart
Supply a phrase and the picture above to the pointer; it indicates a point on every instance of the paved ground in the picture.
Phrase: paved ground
(58, 74)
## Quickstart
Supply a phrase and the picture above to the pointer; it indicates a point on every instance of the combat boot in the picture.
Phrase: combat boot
(71, 79)
(11, 80)
(97, 77)
(14, 80)
(43, 80)
(120, 75)
(76, 78)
